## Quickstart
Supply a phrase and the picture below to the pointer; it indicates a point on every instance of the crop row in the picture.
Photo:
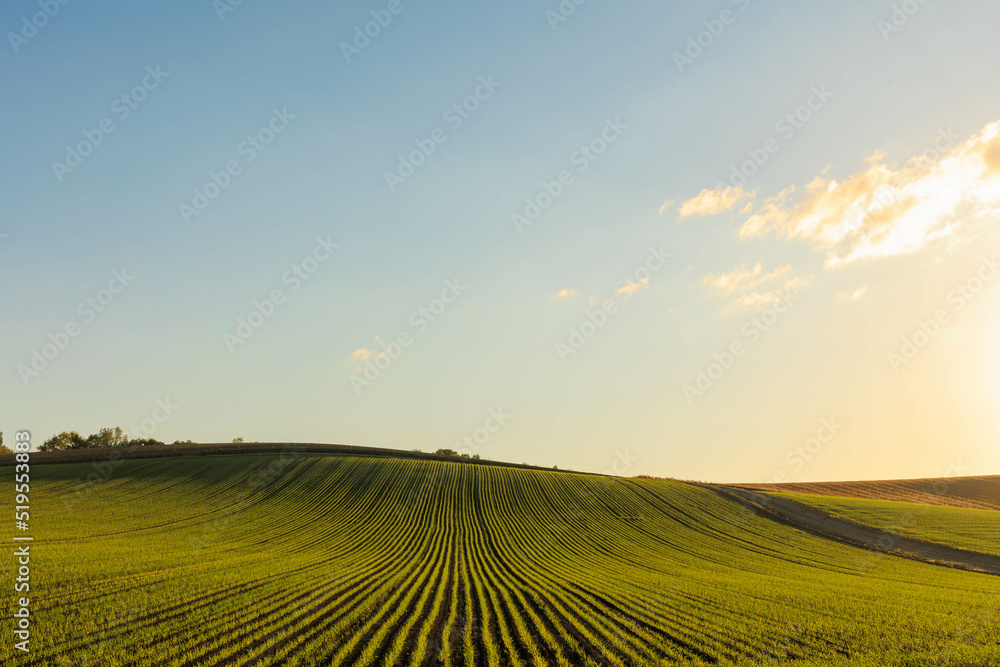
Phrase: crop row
(328, 560)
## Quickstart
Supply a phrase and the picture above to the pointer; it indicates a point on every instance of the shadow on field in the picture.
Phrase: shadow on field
(823, 525)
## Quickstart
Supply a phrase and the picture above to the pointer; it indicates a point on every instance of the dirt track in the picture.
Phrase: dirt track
(819, 523)
(973, 492)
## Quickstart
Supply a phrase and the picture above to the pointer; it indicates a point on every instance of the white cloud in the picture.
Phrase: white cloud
(741, 278)
(364, 353)
(564, 294)
(632, 287)
(759, 300)
(853, 296)
(711, 202)
(889, 210)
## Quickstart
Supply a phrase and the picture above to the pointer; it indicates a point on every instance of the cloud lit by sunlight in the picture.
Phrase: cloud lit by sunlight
(741, 278)
(711, 202)
(889, 210)
(365, 354)
(633, 286)
(853, 296)
(757, 300)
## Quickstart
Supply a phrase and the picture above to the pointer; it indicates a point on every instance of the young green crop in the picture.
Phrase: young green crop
(971, 529)
(330, 560)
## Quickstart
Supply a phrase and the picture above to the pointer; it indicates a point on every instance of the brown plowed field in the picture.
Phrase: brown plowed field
(975, 492)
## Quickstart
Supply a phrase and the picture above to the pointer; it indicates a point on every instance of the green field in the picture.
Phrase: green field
(972, 529)
(328, 560)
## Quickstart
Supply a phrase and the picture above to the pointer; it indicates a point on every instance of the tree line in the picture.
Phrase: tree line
(116, 437)
(452, 452)
(106, 437)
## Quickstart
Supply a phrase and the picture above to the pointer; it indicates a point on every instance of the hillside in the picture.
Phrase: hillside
(194, 450)
(972, 492)
(959, 527)
(335, 560)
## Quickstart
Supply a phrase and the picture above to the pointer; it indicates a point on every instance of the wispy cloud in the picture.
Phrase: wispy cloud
(363, 354)
(853, 296)
(564, 294)
(757, 300)
(889, 210)
(667, 204)
(632, 287)
(711, 202)
(745, 281)
(741, 278)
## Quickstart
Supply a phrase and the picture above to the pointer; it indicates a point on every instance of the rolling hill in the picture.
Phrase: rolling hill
(312, 559)
(960, 527)
(971, 492)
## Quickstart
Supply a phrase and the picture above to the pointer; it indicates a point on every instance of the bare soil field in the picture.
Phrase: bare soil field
(820, 523)
(971, 492)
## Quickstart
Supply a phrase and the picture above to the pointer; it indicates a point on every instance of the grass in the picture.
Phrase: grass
(335, 560)
(972, 529)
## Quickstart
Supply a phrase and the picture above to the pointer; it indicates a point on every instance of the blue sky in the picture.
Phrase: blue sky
(621, 396)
